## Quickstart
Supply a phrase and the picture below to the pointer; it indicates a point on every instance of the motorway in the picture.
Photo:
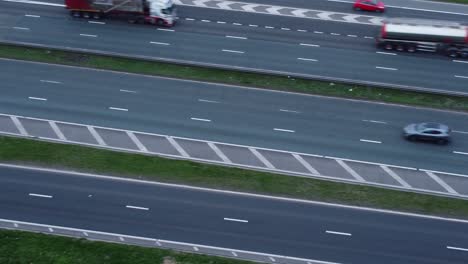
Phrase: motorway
(293, 122)
(308, 230)
(256, 41)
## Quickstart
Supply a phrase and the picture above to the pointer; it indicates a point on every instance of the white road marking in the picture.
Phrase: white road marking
(283, 130)
(236, 220)
(137, 207)
(386, 68)
(37, 98)
(318, 32)
(460, 132)
(285, 29)
(261, 158)
(253, 25)
(350, 170)
(97, 22)
(51, 229)
(309, 45)
(459, 61)
(19, 125)
(371, 141)
(200, 119)
(461, 153)
(21, 28)
(32, 16)
(35, 3)
(127, 91)
(121, 238)
(367, 37)
(136, 141)
(306, 59)
(374, 121)
(206, 21)
(235, 37)
(233, 51)
(15, 225)
(189, 19)
(85, 234)
(353, 36)
(302, 30)
(220, 22)
(176, 145)
(460, 76)
(234, 253)
(237, 24)
(219, 152)
(395, 176)
(385, 53)
(441, 182)
(289, 111)
(158, 243)
(335, 34)
(88, 35)
(208, 101)
(57, 130)
(118, 109)
(40, 195)
(195, 248)
(457, 248)
(160, 43)
(305, 164)
(166, 29)
(96, 136)
(269, 27)
(338, 233)
(48, 81)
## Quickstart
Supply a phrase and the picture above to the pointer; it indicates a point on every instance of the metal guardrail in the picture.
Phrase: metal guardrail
(238, 68)
(155, 243)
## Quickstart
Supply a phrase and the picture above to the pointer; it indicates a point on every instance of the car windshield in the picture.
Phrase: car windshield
(423, 126)
(168, 11)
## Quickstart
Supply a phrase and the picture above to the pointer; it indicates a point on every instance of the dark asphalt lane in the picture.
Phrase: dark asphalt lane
(277, 227)
(323, 126)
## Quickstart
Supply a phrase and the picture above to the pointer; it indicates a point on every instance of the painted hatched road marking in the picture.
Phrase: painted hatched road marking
(305, 164)
(57, 130)
(441, 182)
(176, 145)
(395, 176)
(219, 152)
(19, 125)
(350, 170)
(137, 142)
(261, 158)
(96, 136)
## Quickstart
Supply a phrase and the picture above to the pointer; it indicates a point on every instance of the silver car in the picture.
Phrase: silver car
(434, 132)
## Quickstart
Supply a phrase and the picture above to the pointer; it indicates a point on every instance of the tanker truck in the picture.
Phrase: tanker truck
(158, 12)
(412, 35)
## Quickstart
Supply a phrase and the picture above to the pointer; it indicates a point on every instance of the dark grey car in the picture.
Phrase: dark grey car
(434, 132)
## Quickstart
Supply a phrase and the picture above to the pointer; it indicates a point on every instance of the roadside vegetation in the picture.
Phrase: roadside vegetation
(85, 159)
(34, 248)
(236, 78)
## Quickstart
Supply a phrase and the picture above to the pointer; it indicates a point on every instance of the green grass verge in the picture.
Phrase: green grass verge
(25, 151)
(237, 78)
(33, 248)
(454, 1)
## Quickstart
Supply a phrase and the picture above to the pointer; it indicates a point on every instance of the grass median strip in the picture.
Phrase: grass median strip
(45, 154)
(25, 247)
(235, 77)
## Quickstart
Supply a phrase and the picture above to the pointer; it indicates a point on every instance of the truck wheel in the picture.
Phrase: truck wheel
(400, 48)
(464, 53)
(388, 46)
(452, 52)
(411, 49)
(96, 16)
(86, 15)
(74, 13)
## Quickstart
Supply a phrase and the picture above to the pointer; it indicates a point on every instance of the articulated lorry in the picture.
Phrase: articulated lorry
(159, 12)
(412, 35)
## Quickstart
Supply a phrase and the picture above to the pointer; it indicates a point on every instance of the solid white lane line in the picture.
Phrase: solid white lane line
(97, 22)
(166, 29)
(395, 176)
(40, 195)
(261, 158)
(436, 178)
(338, 233)
(127, 91)
(235, 220)
(305, 59)
(350, 170)
(284, 130)
(88, 35)
(235, 37)
(49, 81)
(459, 61)
(309, 45)
(461, 132)
(200, 119)
(136, 141)
(374, 121)
(37, 98)
(19, 125)
(461, 153)
(118, 109)
(289, 111)
(137, 207)
(371, 141)
(21, 28)
(159, 43)
(385, 53)
(32, 16)
(233, 51)
(386, 68)
(96, 136)
(457, 248)
(460, 76)
(208, 101)
(305, 164)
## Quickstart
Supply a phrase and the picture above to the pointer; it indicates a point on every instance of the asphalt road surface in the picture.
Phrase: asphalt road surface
(297, 229)
(308, 124)
(259, 41)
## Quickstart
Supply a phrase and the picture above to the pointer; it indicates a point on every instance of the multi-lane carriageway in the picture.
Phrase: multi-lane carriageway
(324, 39)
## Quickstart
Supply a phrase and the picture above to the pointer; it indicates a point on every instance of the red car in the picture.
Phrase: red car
(369, 5)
